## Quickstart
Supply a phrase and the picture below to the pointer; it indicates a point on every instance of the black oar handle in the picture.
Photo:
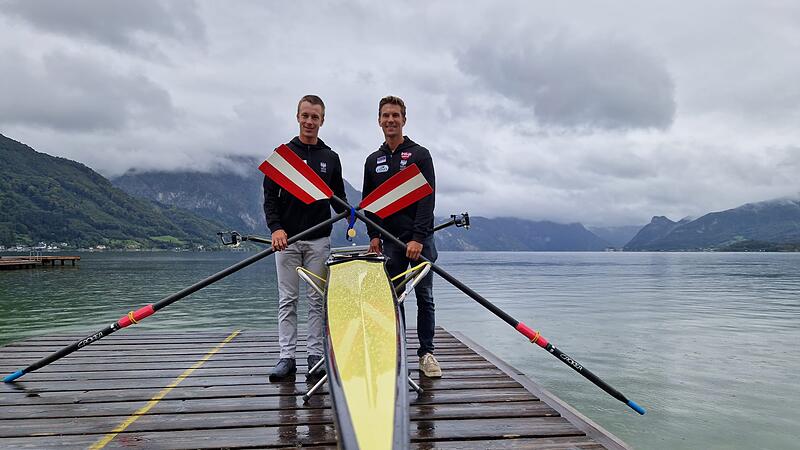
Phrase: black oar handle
(135, 316)
(531, 334)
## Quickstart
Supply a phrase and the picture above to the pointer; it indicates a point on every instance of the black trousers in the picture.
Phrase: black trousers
(426, 316)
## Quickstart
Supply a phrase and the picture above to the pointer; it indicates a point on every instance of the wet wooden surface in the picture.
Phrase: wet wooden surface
(227, 400)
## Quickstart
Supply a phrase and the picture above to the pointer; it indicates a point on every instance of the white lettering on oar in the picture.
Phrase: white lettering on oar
(571, 361)
(90, 339)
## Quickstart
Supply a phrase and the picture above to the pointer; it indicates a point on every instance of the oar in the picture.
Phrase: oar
(462, 221)
(237, 239)
(134, 317)
(531, 334)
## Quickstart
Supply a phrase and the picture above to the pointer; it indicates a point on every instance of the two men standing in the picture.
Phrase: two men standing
(287, 216)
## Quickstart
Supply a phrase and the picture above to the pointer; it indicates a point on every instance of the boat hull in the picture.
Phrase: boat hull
(366, 355)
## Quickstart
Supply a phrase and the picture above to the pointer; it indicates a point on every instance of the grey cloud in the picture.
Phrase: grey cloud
(543, 111)
(74, 93)
(602, 82)
(122, 24)
(257, 128)
(618, 164)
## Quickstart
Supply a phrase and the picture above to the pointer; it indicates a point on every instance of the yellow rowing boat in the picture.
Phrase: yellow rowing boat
(366, 354)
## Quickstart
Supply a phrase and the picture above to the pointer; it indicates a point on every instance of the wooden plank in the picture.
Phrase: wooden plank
(133, 354)
(156, 341)
(514, 443)
(580, 421)
(255, 418)
(192, 401)
(305, 434)
(132, 350)
(227, 402)
(255, 387)
(232, 362)
(184, 393)
(139, 335)
(194, 380)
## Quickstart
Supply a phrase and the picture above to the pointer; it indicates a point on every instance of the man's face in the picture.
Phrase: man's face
(391, 120)
(310, 117)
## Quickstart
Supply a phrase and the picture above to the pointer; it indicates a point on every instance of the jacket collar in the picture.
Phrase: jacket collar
(319, 145)
(406, 144)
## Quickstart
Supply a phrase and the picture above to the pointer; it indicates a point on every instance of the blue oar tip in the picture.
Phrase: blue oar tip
(13, 376)
(636, 407)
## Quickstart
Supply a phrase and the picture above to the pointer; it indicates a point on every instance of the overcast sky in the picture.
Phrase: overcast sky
(600, 112)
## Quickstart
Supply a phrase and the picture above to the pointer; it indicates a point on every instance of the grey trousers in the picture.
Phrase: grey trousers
(311, 255)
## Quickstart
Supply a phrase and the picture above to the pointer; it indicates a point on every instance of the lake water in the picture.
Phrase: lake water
(707, 342)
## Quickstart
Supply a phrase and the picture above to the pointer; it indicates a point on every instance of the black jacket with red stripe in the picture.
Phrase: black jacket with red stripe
(285, 212)
(414, 222)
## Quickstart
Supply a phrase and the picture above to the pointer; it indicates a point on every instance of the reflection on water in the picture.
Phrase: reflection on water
(106, 286)
(707, 342)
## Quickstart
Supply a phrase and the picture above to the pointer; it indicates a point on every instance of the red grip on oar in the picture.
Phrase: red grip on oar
(531, 334)
(137, 315)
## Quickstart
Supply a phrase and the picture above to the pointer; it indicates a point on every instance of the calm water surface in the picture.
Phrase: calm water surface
(707, 342)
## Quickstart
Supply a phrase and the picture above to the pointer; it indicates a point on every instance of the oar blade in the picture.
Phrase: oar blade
(401, 190)
(290, 172)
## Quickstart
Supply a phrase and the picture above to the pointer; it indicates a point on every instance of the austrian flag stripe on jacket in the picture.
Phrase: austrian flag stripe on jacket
(290, 172)
(402, 190)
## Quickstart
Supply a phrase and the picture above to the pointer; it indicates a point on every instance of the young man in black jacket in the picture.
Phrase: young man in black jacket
(412, 225)
(287, 216)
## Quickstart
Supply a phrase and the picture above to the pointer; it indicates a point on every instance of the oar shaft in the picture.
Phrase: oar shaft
(589, 375)
(532, 335)
(141, 313)
(442, 226)
(258, 239)
(63, 352)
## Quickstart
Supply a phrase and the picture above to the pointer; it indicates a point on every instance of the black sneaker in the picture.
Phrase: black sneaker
(312, 361)
(283, 370)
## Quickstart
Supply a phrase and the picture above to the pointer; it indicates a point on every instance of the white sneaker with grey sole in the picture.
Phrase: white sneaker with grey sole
(429, 366)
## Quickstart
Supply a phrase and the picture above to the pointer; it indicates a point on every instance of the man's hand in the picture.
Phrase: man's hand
(375, 245)
(279, 239)
(413, 250)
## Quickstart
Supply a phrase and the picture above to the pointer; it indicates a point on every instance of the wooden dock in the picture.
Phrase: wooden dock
(145, 389)
(31, 262)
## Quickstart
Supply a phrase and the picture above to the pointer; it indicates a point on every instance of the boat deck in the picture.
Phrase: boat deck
(146, 389)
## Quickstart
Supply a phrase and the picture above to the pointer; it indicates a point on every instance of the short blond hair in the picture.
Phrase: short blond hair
(314, 100)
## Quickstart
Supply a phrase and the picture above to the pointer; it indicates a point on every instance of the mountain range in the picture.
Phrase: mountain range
(767, 225)
(236, 200)
(45, 198)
